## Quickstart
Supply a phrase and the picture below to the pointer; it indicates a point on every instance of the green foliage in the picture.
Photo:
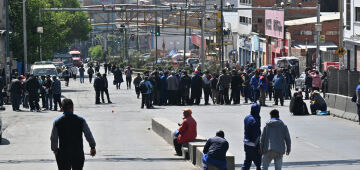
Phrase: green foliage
(61, 29)
(96, 52)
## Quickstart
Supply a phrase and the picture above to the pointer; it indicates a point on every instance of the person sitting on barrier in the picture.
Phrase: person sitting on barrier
(297, 104)
(215, 151)
(317, 103)
(186, 133)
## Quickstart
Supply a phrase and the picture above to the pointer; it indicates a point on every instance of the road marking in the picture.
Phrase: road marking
(313, 145)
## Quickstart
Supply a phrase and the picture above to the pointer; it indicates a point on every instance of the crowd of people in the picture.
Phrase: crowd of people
(255, 86)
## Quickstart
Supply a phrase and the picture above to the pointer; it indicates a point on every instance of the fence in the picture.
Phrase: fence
(343, 82)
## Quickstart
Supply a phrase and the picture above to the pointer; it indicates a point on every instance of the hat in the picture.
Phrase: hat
(316, 92)
(188, 110)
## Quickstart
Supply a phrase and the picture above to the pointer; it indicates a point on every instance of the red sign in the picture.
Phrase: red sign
(196, 40)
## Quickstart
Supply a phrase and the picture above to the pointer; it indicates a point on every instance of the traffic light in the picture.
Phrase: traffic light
(157, 31)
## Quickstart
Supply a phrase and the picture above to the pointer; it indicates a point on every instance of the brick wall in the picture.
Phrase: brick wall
(330, 30)
(259, 15)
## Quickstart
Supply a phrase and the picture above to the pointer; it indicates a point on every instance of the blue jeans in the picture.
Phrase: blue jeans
(206, 160)
(49, 100)
(82, 78)
(358, 111)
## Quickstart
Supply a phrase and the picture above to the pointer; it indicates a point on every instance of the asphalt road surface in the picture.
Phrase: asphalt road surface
(125, 140)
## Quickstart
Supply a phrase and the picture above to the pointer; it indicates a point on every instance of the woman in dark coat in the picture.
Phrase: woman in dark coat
(297, 105)
(118, 78)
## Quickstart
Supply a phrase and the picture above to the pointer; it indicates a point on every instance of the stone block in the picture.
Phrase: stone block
(164, 128)
(330, 100)
(192, 150)
(340, 103)
(230, 160)
(351, 107)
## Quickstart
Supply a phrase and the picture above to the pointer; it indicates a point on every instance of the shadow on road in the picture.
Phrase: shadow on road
(4, 142)
(71, 91)
(317, 163)
(95, 160)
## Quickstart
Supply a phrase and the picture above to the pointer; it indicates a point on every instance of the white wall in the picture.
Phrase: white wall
(355, 26)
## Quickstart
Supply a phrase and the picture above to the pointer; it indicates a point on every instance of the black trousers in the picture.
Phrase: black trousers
(177, 147)
(279, 95)
(43, 101)
(34, 101)
(224, 96)
(57, 100)
(145, 100)
(235, 95)
(97, 96)
(69, 162)
(90, 77)
(207, 91)
(107, 95)
(172, 97)
(128, 82)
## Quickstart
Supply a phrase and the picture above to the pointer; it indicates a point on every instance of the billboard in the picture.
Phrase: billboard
(274, 23)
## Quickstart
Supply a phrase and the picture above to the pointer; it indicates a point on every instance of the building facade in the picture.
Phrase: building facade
(351, 16)
(244, 30)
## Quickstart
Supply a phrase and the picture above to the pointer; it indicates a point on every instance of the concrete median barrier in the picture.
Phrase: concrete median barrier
(192, 150)
(330, 100)
(341, 106)
(351, 110)
(230, 160)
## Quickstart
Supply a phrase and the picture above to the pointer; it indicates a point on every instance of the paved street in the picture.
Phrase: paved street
(125, 140)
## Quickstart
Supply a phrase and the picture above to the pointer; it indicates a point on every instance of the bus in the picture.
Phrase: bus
(76, 58)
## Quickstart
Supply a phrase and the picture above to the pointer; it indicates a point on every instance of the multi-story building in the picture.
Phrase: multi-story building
(244, 30)
(351, 15)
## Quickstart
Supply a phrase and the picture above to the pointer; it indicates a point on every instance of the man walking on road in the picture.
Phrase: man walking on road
(67, 141)
(275, 141)
(82, 71)
(279, 85)
(56, 90)
(252, 125)
(98, 86)
(90, 72)
(215, 151)
(15, 92)
(128, 73)
(105, 89)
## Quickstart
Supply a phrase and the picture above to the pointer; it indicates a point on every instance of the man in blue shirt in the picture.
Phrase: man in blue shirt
(358, 100)
(279, 85)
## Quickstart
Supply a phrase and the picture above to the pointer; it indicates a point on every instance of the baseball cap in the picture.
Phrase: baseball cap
(188, 110)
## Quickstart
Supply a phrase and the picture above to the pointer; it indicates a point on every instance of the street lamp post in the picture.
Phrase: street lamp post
(40, 30)
(25, 37)
(7, 41)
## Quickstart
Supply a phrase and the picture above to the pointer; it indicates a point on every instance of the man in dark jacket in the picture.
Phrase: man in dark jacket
(184, 87)
(105, 89)
(207, 86)
(164, 89)
(236, 83)
(48, 93)
(215, 151)
(246, 86)
(196, 88)
(90, 72)
(317, 103)
(118, 77)
(33, 86)
(56, 90)
(252, 125)
(98, 86)
(254, 82)
(67, 141)
(223, 87)
(308, 83)
(15, 92)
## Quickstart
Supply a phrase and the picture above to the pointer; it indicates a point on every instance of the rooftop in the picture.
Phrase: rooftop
(312, 20)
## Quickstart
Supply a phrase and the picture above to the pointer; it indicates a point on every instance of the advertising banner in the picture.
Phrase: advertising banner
(274, 23)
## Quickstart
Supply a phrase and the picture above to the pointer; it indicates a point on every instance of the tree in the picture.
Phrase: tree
(96, 52)
(61, 29)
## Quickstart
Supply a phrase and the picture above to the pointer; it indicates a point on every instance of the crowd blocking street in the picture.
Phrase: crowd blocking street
(310, 134)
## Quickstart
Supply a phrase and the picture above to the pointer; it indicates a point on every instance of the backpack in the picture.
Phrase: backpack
(143, 88)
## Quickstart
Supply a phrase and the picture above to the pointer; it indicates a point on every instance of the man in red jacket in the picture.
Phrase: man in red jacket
(186, 132)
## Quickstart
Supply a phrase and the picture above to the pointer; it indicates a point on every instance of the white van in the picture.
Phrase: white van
(43, 69)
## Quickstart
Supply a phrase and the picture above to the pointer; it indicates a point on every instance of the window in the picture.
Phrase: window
(306, 0)
(348, 14)
(357, 14)
(259, 20)
(244, 20)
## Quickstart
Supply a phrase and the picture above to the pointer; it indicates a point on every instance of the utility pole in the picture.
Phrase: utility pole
(185, 25)
(7, 41)
(222, 33)
(202, 39)
(156, 39)
(25, 37)
(137, 27)
(341, 26)
(318, 30)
